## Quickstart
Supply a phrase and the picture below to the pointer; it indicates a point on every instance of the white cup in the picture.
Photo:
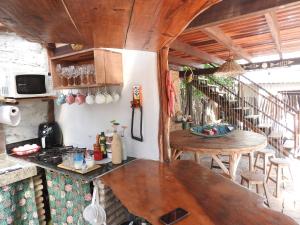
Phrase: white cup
(108, 98)
(100, 98)
(116, 97)
(90, 99)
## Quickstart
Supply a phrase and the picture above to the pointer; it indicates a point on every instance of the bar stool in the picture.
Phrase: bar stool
(256, 179)
(265, 154)
(279, 164)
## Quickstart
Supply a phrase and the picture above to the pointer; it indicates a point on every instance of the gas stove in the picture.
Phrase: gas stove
(51, 156)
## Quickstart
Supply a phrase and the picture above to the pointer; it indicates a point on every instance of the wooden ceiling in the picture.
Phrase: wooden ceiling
(245, 34)
(133, 24)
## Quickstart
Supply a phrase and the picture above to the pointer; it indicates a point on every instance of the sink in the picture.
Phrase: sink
(13, 170)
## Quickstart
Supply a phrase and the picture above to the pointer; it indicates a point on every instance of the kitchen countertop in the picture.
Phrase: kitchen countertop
(27, 170)
(104, 169)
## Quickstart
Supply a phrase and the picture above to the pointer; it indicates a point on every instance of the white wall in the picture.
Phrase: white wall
(80, 124)
(18, 56)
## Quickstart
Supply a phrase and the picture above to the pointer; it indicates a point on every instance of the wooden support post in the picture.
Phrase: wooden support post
(190, 98)
(2, 139)
(51, 117)
(50, 52)
(164, 119)
(297, 133)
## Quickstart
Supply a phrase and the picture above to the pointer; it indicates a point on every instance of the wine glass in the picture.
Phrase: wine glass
(83, 75)
(70, 73)
(58, 70)
(91, 73)
(77, 75)
(64, 75)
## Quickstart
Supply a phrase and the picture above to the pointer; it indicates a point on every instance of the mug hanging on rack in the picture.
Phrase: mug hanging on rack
(90, 98)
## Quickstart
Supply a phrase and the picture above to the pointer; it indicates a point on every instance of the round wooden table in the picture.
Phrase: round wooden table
(234, 145)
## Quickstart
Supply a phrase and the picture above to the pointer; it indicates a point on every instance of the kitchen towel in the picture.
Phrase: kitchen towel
(10, 115)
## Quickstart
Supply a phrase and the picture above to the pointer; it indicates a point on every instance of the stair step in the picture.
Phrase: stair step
(275, 135)
(242, 108)
(264, 125)
(212, 85)
(252, 117)
(202, 79)
(288, 144)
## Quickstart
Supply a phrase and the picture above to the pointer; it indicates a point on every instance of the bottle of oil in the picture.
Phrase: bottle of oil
(102, 143)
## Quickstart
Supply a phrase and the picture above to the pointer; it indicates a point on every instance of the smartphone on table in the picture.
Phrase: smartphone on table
(174, 216)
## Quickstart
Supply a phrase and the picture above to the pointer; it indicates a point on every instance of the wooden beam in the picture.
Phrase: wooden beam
(272, 22)
(4, 28)
(132, 24)
(251, 66)
(184, 62)
(227, 11)
(164, 119)
(193, 51)
(175, 67)
(220, 36)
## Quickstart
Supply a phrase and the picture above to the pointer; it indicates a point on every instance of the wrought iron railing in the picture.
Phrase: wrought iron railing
(250, 107)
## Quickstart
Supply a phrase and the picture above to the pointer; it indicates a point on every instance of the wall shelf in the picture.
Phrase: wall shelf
(107, 64)
(16, 101)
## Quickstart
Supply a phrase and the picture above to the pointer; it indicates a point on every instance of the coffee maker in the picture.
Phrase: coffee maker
(50, 135)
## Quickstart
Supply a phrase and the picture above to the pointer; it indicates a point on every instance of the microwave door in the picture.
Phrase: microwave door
(30, 84)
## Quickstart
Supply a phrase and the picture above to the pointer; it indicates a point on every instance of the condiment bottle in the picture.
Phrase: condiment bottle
(116, 148)
(97, 153)
(103, 144)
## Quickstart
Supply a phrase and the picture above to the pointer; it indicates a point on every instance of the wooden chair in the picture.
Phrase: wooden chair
(280, 164)
(265, 154)
(257, 179)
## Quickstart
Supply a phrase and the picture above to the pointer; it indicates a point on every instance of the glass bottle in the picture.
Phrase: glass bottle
(103, 144)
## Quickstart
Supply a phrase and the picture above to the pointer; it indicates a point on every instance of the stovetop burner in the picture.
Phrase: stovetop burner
(52, 155)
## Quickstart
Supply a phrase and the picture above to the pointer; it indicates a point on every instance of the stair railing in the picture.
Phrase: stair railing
(272, 111)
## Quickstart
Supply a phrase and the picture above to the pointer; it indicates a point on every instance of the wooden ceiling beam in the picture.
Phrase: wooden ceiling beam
(184, 62)
(272, 22)
(3, 28)
(253, 66)
(193, 51)
(227, 11)
(175, 67)
(221, 37)
(132, 24)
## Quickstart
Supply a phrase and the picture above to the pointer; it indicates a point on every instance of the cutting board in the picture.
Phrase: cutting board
(94, 167)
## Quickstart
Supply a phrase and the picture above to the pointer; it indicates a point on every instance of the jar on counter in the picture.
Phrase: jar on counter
(97, 153)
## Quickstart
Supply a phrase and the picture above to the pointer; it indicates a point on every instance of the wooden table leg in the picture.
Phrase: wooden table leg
(220, 163)
(197, 158)
(175, 154)
(233, 164)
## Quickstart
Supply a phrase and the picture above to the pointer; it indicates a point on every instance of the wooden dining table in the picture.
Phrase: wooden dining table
(150, 189)
(233, 145)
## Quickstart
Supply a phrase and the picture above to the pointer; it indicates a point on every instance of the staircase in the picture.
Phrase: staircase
(250, 107)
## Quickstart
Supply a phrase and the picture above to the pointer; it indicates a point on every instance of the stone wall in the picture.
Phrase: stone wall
(18, 56)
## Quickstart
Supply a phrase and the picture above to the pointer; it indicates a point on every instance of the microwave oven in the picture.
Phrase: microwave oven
(25, 86)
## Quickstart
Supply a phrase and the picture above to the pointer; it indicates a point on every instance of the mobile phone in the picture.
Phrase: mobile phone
(173, 216)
